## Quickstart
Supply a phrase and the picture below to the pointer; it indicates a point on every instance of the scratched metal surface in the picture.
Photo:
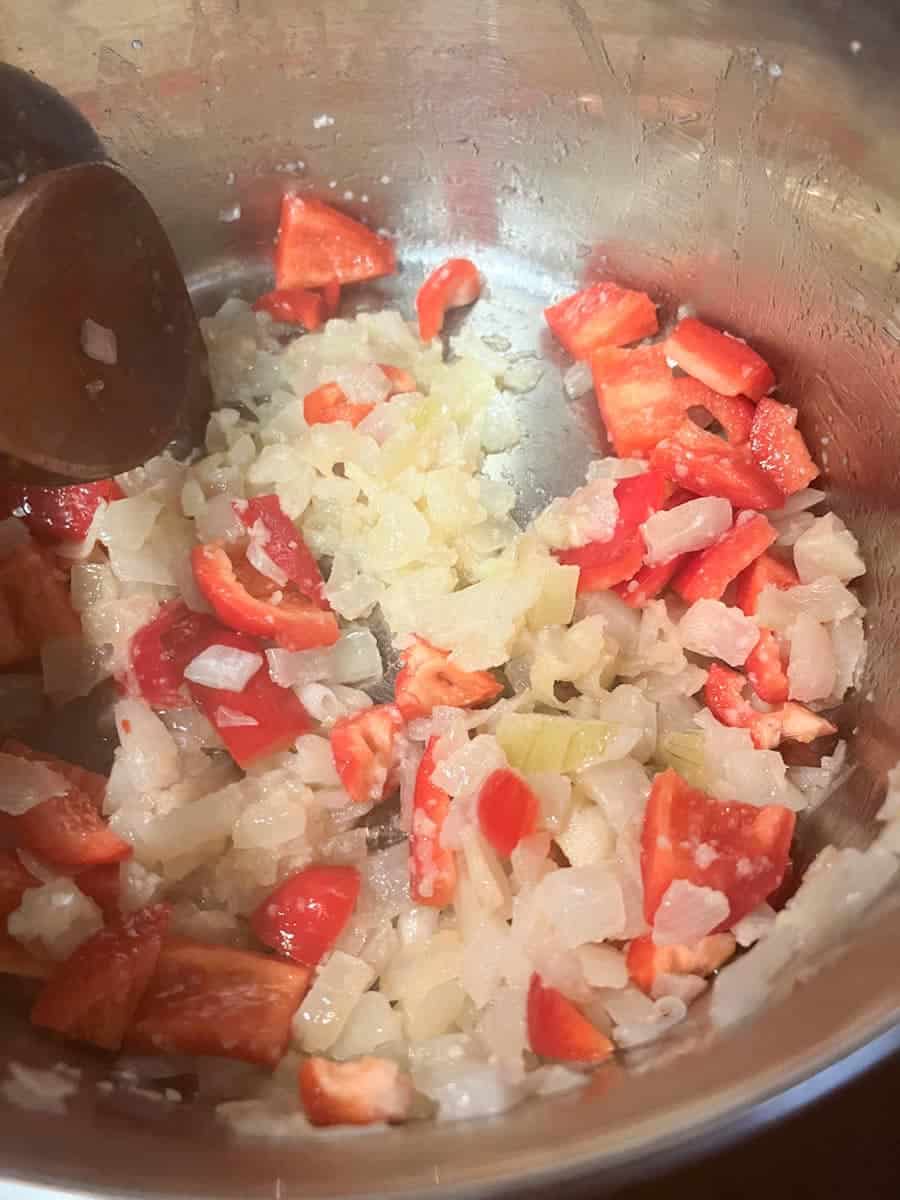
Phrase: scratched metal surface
(738, 155)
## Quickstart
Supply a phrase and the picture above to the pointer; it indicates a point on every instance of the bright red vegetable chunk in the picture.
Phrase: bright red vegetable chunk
(160, 651)
(428, 679)
(765, 669)
(708, 466)
(306, 914)
(724, 695)
(733, 413)
(284, 544)
(16, 960)
(453, 284)
(364, 1091)
(724, 363)
(68, 830)
(35, 606)
(103, 883)
(648, 582)
(638, 397)
(363, 750)
(15, 880)
(247, 601)
(57, 514)
(557, 1030)
(214, 1000)
(707, 574)
(293, 306)
(508, 810)
(432, 868)
(767, 571)
(751, 845)
(331, 296)
(780, 448)
(317, 245)
(602, 315)
(273, 716)
(603, 565)
(329, 403)
(93, 996)
(646, 961)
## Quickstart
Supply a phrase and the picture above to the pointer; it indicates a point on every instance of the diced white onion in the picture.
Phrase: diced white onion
(23, 784)
(584, 904)
(667, 1011)
(577, 380)
(691, 526)
(99, 342)
(828, 548)
(339, 985)
(223, 667)
(754, 926)
(716, 630)
(688, 913)
(826, 599)
(364, 384)
(812, 669)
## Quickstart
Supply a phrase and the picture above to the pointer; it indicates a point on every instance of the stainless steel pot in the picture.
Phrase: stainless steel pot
(738, 154)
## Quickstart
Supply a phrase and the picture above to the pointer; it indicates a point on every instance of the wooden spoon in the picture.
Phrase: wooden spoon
(81, 248)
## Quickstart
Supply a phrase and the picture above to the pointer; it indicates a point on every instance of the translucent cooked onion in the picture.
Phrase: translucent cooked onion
(691, 526)
(584, 903)
(339, 986)
(716, 630)
(23, 784)
(812, 668)
(223, 667)
(688, 913)
(828, 547)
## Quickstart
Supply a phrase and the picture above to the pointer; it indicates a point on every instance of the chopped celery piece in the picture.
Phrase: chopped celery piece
(684, 753)
(534, 742)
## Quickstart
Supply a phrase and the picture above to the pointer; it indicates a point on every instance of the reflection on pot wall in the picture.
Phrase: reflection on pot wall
(741, 157)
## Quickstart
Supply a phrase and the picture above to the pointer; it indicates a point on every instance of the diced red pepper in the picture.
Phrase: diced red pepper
(329, 403)
(765, 669)
(103, 883)
(331, 295)
(734, 413)
(707, 574)
(648, 582)
(428, 679)
(363, 750)
(246, 601)
(364, 1091)
(284, 544)
(160, 651)
(16, 960)
(751, 846)
(638, 396)
(214, 1000)
(780, 448)
(93, 996)
(724, 363)
(454, 284)
(724, 694)
(57, 514)
(274, 716)
(508, 810)
(306, 914)
(767, 571)
(602, 315)
(318, 245)
(15, 881)
(557, 1030)
(646, 960)
(603, 565)
(432, 868)
(708, 466)
(68, 830)
(293, 306)
(35, 605)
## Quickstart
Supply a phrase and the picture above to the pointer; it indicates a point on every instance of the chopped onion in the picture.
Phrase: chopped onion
(147, 749)
(363, 384)
(355, 658)
(603, 966)
(24, 783)
(828, 547)
(297, 668)
(584, 904)
(371, 1024)
(228, 718)
(716, 630)
(260, 560)
(688, 913)
(799, 502)
(465, 770)
(615, 468)
(339, 986)
(577, 380)
(58, 915)
(588, 515)
(812, 669)
(127, 523)
(757, 924)
(691, 526)
(219, 522)
(223, 667)
(826, 599)
(683, 987)
(99, 343)
(620, 788)
(667, 1011)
